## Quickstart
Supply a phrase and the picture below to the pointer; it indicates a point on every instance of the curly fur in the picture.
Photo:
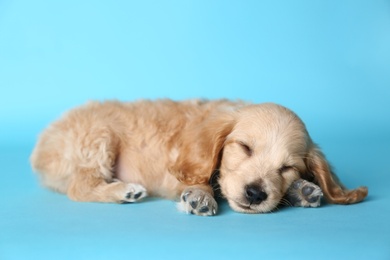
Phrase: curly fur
(94, 152)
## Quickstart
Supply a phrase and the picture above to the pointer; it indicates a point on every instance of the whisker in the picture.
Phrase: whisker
(285, 202)
(274, 210)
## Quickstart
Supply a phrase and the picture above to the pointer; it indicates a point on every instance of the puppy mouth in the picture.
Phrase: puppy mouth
(244, 206)
(247, 208)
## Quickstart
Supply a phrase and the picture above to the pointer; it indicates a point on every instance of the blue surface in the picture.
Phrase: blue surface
(327, 60)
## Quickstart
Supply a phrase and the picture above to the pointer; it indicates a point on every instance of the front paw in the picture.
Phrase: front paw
(198, 202)
(304, 194)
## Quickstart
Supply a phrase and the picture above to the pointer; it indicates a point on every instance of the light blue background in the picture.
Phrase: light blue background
(327, 60)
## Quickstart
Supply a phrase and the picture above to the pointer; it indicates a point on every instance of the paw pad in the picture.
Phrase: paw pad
(304, 194)
(135, 192)
(198, 202)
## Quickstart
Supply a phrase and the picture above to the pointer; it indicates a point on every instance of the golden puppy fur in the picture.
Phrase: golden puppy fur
(120, 152)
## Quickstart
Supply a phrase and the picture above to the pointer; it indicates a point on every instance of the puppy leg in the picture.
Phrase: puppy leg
(92, 179)
(303, 194)
(198, 200)
(87, 187)
(80, 161)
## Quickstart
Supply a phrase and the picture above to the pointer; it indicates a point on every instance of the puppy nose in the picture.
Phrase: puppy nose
(254, 194)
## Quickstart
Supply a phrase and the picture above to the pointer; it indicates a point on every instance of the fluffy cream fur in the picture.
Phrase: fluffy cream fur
(119, 152)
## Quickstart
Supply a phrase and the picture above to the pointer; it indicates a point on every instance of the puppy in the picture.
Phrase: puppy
(123, 152)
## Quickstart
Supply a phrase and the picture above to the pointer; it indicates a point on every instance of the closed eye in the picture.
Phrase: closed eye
(246, 148)
(285, 168)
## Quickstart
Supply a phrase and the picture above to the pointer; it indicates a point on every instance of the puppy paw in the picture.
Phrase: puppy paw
(198, 202)
(304, 194)
(134, 192)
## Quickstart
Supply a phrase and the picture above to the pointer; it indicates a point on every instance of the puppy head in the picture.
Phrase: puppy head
(259, 151)
(263, 154)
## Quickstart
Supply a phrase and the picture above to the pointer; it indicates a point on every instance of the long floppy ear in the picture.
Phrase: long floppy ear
(333, 190)
(200, 149)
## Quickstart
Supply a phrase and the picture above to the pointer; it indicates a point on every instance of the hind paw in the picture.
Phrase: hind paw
(134, 192)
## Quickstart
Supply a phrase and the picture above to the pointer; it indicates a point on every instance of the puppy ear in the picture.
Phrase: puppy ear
(200, 150)
(333, 190)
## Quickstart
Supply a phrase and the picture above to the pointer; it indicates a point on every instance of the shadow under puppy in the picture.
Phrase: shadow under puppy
(122, 152)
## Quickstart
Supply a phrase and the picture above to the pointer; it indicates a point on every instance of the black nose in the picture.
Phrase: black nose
(254, 194)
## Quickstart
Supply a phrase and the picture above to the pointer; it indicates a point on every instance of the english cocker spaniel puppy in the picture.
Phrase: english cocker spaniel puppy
(261, 155)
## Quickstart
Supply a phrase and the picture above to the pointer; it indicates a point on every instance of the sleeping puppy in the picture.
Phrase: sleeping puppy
(123, 152)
